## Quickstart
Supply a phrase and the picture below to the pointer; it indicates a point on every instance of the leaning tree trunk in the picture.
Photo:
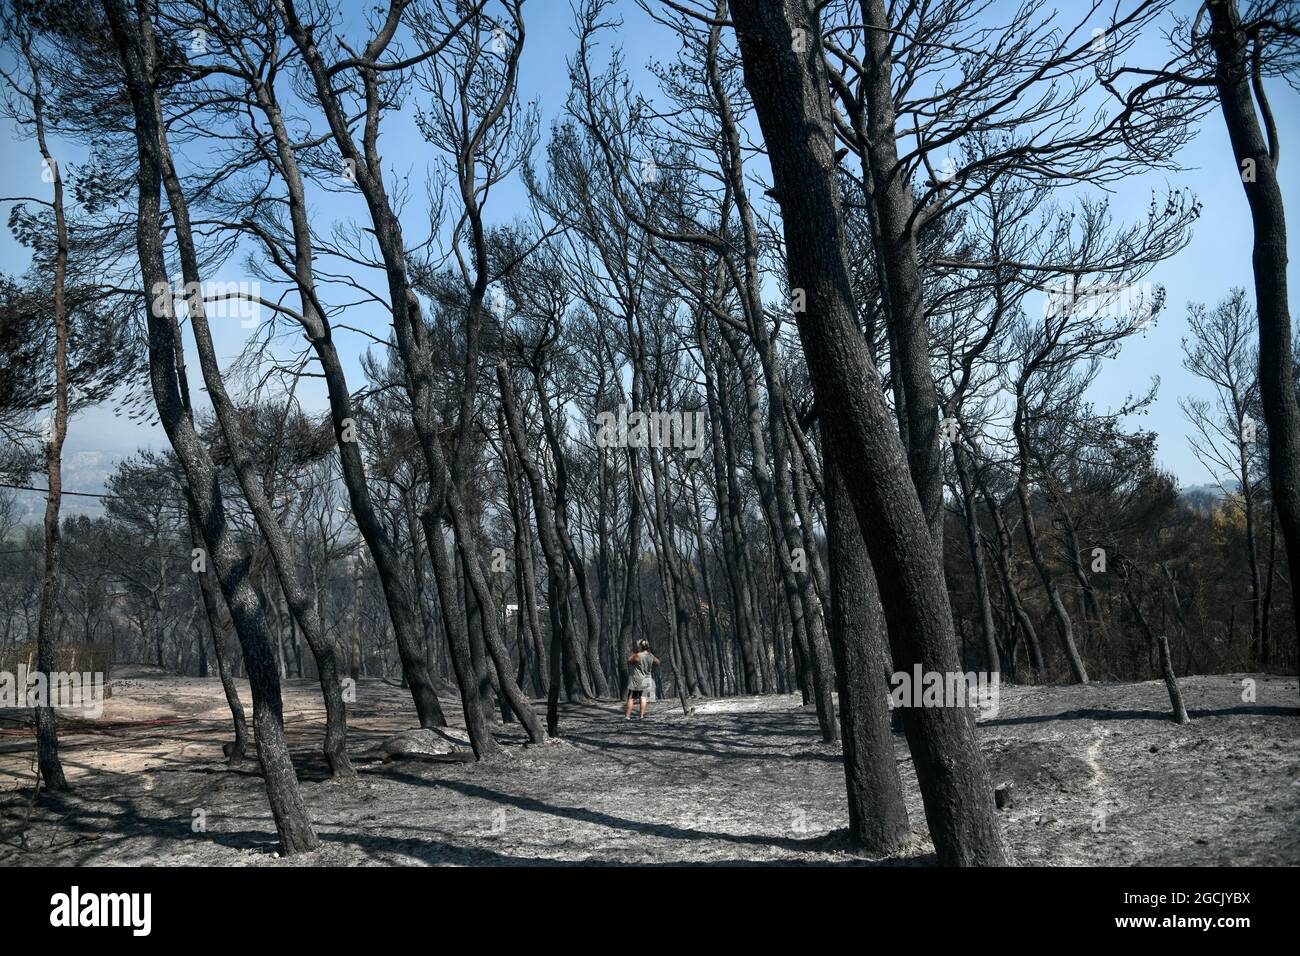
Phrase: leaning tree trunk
(1005, 570)
(250, 483)
(290, 815)
(1258, 156)
(877, 814)
(1161, 644)
(789, 91)
(316, 326)
(1059, 614)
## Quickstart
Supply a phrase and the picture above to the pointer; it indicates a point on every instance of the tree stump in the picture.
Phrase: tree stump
(1004, 797)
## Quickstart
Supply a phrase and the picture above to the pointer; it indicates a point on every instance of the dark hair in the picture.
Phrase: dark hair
(644, 645)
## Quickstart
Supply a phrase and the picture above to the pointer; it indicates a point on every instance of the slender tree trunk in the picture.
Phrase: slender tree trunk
(47, 738)
(525, 571)
(575, 678)
(1060, 615)
(632, 570)
(1252, 559)
(388, 565)
(1005, 569)
(591, 645)
(817, 679)
(1160, 644)
(291, 820)
(732, 562)
(1267, 614)
(987, 628)
(212, 603)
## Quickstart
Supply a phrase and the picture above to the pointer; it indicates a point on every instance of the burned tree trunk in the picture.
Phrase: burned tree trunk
(47, 738)
(561, 514)
(575, 678)
(250, 483)
(291, 820)
(789, 91)
(212, 609)
(971, 517)
(877, 815)
(316, 327)
(1256, 159)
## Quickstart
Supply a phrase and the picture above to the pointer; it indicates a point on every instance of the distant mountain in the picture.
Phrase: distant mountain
(1209, 488)
(1203, 498)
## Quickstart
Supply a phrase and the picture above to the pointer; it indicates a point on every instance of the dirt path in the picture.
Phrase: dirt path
(740, 781)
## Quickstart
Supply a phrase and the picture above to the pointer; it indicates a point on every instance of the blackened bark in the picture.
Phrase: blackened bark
(557, 571)
(291, 820)
(591, 645)
(877, 814)
(988, 629)
(47, 738)
(1269, 261)
(789, 90)
(1060, 615)
(776, 496)
(250, 483)
(632, 570)
(471, 700)
(212, 603)
(728, 521)
(474, 632)
(530, 631)
(1005, 570)
(1171, 682)
(894, 213)
(316, 326)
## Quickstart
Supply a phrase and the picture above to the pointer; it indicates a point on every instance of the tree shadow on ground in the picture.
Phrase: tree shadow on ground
(599, 818)
(1090, 713)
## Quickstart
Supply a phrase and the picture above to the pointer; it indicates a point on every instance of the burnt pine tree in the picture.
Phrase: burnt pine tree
(291, 821)
(787, 81)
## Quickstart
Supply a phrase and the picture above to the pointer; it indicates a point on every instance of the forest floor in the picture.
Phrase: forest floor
(1100, 776)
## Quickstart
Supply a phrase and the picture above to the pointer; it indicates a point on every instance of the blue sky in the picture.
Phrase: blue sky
(1217, 258)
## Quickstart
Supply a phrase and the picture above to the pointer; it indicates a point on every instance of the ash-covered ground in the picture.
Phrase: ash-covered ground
(1100, 776)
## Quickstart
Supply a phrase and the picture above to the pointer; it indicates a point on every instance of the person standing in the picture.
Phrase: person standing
(639, 678)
